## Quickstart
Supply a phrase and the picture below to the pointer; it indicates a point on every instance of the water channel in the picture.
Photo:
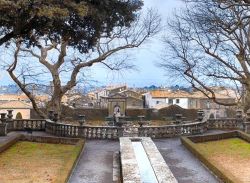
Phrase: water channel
(146, 171)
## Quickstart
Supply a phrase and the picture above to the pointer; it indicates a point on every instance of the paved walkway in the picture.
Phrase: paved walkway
(96, 163)
(185, 167)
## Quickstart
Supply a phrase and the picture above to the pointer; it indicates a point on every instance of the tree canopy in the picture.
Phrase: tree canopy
(59, 62)
(83, 21)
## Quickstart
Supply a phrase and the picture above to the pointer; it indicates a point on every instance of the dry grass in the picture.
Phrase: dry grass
(232, 156)
(28, 162)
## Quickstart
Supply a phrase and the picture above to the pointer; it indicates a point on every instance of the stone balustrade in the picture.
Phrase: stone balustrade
(172, 130)
(89, 132)
(225, 123)
(23, 124)
(114, 132)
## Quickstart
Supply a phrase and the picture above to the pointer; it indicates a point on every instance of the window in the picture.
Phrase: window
(170, 101)
(177, 101)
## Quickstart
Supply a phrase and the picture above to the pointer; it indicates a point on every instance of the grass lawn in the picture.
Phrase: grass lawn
(28, 162)
(232, 156)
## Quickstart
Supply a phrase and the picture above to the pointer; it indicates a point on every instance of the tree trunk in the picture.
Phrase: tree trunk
(55, 104)
(246, 99)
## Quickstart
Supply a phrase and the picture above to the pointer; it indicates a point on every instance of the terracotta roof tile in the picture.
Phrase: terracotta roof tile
(9, 97)
(15, 105)
(184, 94)
(170, 94)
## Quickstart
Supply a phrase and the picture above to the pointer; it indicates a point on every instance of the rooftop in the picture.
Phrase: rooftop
(223, 94)
(15, 105)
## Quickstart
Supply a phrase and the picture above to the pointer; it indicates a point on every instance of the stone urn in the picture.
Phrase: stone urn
(55, 117)
(141, 120)
(51, 114)
(81, 119)
(10, 115)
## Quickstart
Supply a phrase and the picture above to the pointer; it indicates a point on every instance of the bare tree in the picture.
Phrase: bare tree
(69, 62)
(209, 44)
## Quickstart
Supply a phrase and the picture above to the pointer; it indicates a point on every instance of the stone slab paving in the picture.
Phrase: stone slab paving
(185, 167)
(96, 163)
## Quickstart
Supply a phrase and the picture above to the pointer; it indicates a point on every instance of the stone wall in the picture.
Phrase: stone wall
(150, 114)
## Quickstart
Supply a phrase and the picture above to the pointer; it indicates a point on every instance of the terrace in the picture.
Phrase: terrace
(98, 162)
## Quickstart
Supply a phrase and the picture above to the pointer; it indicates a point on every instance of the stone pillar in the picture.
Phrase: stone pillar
(9, 120)
(239, 119)
(3, 129)
(3, 125)
(246, 124)
(239, 114)
(3, 117)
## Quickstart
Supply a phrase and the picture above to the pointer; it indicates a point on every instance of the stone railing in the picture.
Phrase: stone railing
(24, 124)
(90, 132)
(225, 123)
(172, 130)
(114, 132)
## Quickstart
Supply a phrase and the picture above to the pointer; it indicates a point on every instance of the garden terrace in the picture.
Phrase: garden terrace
(227, 155)
(21, 155)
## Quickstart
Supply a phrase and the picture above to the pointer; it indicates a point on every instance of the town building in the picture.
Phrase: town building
(20, 109)
(158, 99)
(133, 98)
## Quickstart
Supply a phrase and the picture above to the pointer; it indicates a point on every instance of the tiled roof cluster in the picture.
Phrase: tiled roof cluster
(184, 94)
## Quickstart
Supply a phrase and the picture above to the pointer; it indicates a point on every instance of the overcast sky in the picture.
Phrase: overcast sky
(145, 59)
